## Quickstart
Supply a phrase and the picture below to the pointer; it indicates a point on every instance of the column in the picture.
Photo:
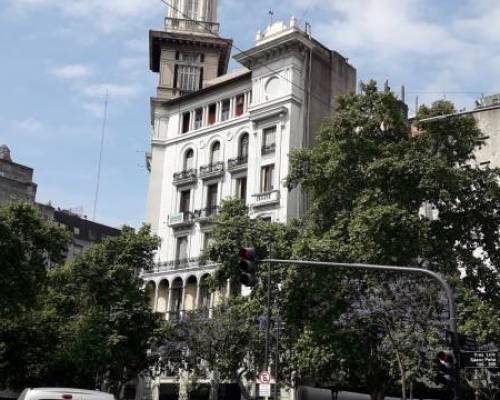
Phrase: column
(197, 298)
(211, 306)
(228, 289)
(231, 107)
(169, 302)
(157, 292)
(183, 301)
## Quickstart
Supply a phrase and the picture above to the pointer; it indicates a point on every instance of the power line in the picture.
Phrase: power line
(245, 53)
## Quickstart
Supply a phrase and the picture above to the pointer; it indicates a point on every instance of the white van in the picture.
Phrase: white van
(63, 394)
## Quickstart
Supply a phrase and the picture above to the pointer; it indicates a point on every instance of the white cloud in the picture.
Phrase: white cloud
(110, 15)
(25, 126)
(72, 71)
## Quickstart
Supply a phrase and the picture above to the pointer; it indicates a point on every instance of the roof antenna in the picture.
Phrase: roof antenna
(99, 164)
(271, 15)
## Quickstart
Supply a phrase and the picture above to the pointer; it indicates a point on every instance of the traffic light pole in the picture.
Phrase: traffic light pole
(442, 281)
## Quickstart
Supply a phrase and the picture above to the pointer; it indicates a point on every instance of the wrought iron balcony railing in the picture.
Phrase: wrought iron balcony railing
(188, 174)
(213, 169)
(234, 163)
(269, 149)
(181, 218)
(206, 213)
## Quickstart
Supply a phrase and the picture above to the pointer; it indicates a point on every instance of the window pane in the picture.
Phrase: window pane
(198, 118)
(186, 119)
(266, 180)
(215, 156)
(189, 161)
(226, 104)
(212, 114)
(212, 196)
(269, 136)
(239, 105)
(244, 146)
(185, 201)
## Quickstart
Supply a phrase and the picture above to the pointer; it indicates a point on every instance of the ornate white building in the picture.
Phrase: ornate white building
(217, 134)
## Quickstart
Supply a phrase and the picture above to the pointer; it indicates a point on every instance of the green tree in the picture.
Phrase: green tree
(99, 304)
(27, 243)
(368, 178)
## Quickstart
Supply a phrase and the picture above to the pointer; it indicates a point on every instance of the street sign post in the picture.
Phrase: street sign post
(264, 390)
(480, 359)
(265, 377)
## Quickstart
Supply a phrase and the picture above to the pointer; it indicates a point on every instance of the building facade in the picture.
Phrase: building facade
(216, 135)
(16, 180)
(229, 138)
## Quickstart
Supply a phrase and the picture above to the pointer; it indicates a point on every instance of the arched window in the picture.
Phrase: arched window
(243, 150)
(189, 160)
(215, 153)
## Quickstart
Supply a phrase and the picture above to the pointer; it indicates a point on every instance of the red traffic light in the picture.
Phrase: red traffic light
(248, 253)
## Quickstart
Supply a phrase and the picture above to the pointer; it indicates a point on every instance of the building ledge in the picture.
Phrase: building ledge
(266, 199)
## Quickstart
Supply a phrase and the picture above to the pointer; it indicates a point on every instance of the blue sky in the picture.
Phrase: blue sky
(60, 56)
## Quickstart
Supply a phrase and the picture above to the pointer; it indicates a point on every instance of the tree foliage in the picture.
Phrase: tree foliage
(372, 181)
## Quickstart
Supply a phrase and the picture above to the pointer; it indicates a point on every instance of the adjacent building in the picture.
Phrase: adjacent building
(16, 185)
(16, 180)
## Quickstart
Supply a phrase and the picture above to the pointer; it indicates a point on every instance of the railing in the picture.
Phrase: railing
(266, 197)
(210, 169)
(208, 212)
(191, 25)
(185, 175)
(175, 265)
(233, 163)
(181, 218)
(268, 149)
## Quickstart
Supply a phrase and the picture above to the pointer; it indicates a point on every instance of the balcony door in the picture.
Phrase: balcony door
(212, 200)
(185, 202)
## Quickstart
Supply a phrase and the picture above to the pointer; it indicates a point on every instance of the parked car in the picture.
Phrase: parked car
(63, 394)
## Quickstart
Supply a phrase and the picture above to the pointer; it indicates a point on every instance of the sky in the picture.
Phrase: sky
(60, 57)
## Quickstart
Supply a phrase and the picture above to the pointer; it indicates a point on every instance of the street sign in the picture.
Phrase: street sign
(265, 377)
(480, 359)
(265, 390)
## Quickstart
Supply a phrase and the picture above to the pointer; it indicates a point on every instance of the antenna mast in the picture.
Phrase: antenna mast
(99, 164)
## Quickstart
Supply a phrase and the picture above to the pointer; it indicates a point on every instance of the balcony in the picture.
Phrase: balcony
(214, 170)
(181, 219)
(237, 164)
(185, 177)
(206, 215)
(182, 25)
(269, 149)
(266, 199)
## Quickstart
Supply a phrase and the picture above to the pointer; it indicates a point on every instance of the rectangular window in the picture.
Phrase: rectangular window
(240, 105)
(266, 178)
(185, 201)
(207, 240)
(198, 118)
(269, 138)
(212, 198)
(212, 114)
(226, 105)
(241, 188)
(182, 248)
(188, 77)
(186, 122)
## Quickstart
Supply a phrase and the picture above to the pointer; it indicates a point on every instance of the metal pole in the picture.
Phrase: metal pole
(447, 288)
(268, 312)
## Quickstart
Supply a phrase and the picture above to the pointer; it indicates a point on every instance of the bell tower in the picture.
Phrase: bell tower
(189, 51)
(196, 16)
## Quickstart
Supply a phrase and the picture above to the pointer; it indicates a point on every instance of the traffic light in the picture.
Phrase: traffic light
(446, 367)
(248, 266)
